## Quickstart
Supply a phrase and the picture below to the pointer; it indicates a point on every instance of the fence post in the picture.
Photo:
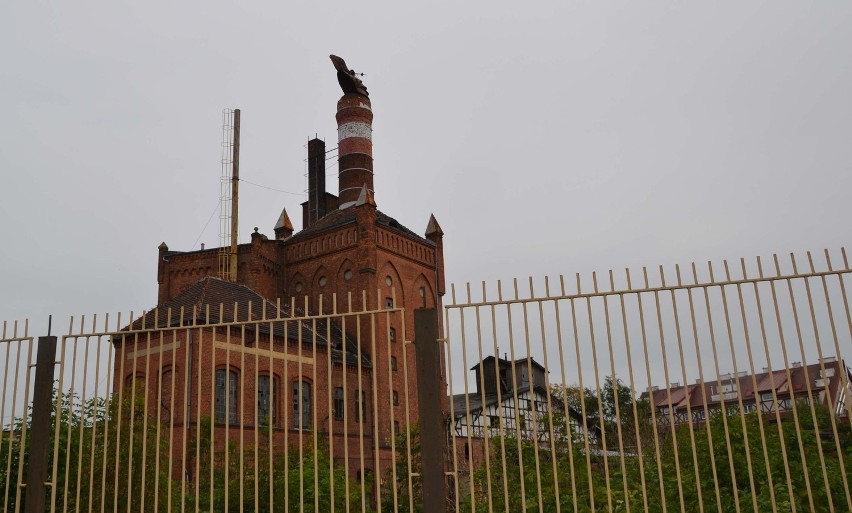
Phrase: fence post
(40, 427)
(429, 392)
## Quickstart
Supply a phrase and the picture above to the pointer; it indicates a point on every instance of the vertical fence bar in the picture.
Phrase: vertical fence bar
(40, 429)
(8, 463)
(564, 400)
(467, 417)
(429, 396)
(615, 383)
(808, 384)
(783, 346)
(844, 378)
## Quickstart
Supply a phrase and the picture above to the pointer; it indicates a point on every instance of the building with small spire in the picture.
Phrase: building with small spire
(348, 256)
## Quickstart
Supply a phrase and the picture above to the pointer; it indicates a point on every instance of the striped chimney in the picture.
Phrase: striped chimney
(354, 136)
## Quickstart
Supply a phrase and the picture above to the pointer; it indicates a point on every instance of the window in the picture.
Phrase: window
(226, 389)
(388, 302)
(136, 385)
(338, 404)
(393, 363)
(266, 411)
(301, 405)
(395, 427)
(393, 335)
(395, 398)
(166, 384)
(360, 405)
(729, 388)
(493, 421)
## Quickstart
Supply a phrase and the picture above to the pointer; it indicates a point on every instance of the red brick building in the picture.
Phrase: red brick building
(348, 256)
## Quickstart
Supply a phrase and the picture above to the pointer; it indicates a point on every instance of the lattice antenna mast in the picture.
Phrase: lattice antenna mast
(229, 194)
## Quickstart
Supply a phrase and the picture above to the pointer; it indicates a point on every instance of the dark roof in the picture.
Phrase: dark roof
(508, 363)
(212, 300)
(338, 218)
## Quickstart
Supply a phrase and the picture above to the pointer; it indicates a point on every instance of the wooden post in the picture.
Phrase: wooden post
(40, 427)
(429, 390)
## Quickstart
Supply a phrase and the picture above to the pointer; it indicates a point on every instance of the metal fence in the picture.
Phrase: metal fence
(216, 408)
(714, 388)
(718, 388)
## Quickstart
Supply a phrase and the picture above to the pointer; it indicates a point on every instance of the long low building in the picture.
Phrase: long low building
(771, 392)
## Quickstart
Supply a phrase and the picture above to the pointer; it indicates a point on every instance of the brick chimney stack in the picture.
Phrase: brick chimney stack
(316, 183)
(355, 146)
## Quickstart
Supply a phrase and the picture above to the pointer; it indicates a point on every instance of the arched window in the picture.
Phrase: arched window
(267, 390)
(226, 396)
(135, 385)
(301, 404)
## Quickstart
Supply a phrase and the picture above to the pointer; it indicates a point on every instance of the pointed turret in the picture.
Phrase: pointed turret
(162, 275)
(283, 228)
(435, 234)
(433, 228)
(366, 197)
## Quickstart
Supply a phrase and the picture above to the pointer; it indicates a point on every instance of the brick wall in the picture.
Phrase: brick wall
(162, 357)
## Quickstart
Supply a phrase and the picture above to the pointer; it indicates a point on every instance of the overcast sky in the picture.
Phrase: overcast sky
(547, 138)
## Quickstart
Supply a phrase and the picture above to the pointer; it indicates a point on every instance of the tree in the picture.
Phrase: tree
(665, 476)
(96, 466)
(513, 483)
(400, 493)
(309, 484)
(614, 393)
(107, 456)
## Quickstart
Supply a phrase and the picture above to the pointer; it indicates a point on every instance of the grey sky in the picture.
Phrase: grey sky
(557, 138)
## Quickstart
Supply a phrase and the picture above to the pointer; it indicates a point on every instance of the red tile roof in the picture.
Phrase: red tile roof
(745, 386)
